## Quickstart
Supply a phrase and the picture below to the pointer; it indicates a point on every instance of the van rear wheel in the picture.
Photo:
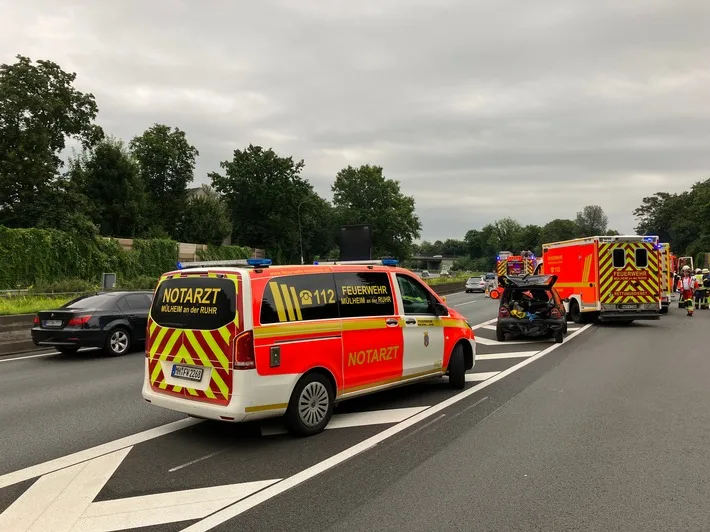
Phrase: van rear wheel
(311, 405)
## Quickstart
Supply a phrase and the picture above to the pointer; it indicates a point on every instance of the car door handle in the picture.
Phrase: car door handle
(410, 321)
(391, 322)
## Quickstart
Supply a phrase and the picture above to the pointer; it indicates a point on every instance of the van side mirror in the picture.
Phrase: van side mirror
(440, 309)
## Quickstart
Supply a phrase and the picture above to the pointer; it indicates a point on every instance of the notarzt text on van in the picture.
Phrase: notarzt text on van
(205, 296)
(368, 356)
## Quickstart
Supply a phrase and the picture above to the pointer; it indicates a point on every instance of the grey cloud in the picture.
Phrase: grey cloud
(557, 103)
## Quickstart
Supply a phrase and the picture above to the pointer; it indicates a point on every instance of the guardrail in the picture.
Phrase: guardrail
(15, 331)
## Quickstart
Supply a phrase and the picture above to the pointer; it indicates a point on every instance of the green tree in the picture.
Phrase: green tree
(166, 161)
(558, 230)
(205, 219)
(39, 110)
(507, 235)
(108, 177)
(531, 238)
(592, 221)
(263, 193)
(365, 195)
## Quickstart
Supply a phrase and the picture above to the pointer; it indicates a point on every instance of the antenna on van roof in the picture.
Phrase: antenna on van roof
(254, 263)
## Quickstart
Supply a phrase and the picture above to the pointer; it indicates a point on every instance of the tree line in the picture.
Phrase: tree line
(139, 189)
(478, 249)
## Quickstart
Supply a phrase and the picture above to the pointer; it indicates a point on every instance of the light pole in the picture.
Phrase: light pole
(300, 232)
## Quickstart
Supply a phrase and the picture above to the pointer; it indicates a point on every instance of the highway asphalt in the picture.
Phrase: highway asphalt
(606, 431)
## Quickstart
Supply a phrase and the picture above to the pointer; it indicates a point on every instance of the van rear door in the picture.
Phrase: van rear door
(192, 327)
(629, 275)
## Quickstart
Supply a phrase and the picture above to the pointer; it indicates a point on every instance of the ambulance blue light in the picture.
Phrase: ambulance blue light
(315, 262)
(259, 262)
(179, 265)
(390, 262)
(649, 238)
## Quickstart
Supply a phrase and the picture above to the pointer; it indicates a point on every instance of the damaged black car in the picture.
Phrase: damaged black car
(530, 306)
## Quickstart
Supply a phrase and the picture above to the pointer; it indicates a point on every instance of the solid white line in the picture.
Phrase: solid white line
(483, 376)
(26, 357)
(315, 470)
(161, 508)
(373, 417)
(354, 419)
(87, 454)
(516, 354)
(480, 325)
(487, 341)
(196, 460)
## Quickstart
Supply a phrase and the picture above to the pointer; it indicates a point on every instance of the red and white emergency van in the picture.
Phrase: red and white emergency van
(245, 340)
(610, 278)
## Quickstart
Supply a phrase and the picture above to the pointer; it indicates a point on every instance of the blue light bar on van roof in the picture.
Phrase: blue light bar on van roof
(259, 262)
(390, 262)
(650, 238)
(179, 265)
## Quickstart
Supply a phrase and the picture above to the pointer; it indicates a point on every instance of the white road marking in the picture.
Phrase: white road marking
(302, 476)
(82, 456)
(488, 341)
(38, 355)
(467, 303)
(87, 454)
(354, 419)
(26, 357)
(161, 508)
(483, 376)
(515, 354)
(196, 460)
(57, 500)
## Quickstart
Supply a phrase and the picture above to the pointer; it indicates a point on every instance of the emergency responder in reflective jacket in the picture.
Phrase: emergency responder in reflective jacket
(687, 286)
(706, 289)
(699, 292)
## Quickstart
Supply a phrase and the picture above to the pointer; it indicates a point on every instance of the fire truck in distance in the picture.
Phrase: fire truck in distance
(511, 265)
(609, 278)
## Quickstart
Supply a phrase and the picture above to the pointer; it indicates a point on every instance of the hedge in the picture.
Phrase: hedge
(31, 257)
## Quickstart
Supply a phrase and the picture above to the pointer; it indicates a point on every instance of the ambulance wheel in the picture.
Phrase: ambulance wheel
(118, 342)
(457, 368)
(311, 405)
(574, 313)
(664, 310)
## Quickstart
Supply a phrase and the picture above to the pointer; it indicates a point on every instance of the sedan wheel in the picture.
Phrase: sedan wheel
(118, 342)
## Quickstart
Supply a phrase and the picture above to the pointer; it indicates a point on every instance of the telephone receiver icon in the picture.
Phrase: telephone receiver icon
(306, 297)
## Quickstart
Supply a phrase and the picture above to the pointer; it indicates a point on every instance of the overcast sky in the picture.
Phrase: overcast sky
(481, 109)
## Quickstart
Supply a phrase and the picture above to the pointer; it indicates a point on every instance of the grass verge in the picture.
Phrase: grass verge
(30, 304)
(458, 278)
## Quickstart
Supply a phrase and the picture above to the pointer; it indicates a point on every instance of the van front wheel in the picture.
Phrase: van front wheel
(311, 405)
(457, 368)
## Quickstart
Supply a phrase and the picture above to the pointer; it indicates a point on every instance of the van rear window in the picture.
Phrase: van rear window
(200, 303)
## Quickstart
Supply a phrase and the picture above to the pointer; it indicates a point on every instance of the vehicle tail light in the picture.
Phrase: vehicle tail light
(503, 312)
(244, 351)
(78, 321)
(36, 320)
(555, 313)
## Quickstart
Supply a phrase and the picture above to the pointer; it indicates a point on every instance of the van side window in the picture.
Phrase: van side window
(364, 294)
(416, 298)
(619, 257)
(299, 298)
(641, 258)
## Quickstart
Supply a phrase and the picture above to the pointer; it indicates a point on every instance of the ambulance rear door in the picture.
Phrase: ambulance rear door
(629, 275)
(193, 326)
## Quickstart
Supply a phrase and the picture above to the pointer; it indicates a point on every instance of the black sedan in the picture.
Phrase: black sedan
(113, 321)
